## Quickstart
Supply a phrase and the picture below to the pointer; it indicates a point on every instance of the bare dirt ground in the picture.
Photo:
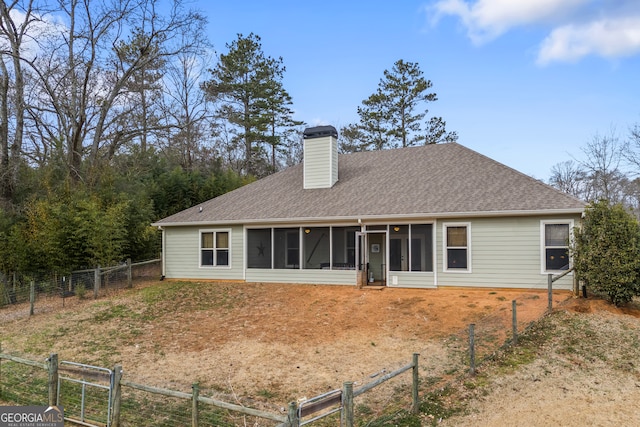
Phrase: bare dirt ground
(271, 343)
(587, 377)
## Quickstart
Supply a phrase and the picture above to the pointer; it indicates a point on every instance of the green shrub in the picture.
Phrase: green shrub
(606, 253)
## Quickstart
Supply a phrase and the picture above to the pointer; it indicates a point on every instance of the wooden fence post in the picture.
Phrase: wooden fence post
(550, 291)
(32, 297)
(129, 275)
(415, 407)
(347, 404)
(472, 349)
(96, 282)
(52, 363)
(194, 403)
(293, 421)
(116, 401)
(514, 321)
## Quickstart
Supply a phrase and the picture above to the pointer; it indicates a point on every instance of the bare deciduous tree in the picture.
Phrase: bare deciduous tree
(569, 178)
(87, 73)
(602, 168)
(185, 109)
(16, 18)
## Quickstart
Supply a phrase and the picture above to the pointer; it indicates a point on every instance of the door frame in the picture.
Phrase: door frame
(363, 256)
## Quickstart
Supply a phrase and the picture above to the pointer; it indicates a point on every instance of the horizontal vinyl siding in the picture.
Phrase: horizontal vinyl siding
(414, 279)
(318, 163)
(505, 253)
(334, 163)
(182, 257)
(319, 277)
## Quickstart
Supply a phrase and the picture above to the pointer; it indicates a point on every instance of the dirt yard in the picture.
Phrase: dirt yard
(293, 340)
(288, 342)
(588, 374)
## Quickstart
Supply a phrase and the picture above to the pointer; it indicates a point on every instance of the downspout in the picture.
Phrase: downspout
(162, 253)
(434, 237)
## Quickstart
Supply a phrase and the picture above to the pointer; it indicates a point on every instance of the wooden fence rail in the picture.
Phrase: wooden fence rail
(345, 399)
(206, 400)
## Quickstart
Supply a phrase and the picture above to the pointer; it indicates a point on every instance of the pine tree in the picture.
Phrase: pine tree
(394, 115)
(246, 86)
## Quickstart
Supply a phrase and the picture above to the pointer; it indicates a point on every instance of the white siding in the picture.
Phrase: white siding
(320, 162)
(319, 277)
(182, 255)
(505, 253)
(411, 279)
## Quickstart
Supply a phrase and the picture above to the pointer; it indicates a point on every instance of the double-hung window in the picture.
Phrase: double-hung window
(457, 246)
(214, 249)
(555, 245)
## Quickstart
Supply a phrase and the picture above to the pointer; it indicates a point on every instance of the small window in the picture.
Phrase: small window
(556, 246)
(214, 249)
(457, 247)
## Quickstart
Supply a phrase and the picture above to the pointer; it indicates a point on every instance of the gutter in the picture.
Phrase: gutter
(374, 218)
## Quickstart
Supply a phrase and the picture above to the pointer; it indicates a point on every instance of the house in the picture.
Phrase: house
(418, 217)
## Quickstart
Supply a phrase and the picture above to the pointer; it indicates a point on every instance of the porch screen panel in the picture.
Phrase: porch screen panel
(286, 248)
(399, 248)
(344, 247)
(421, 247)
(316, 247)
(259, 248)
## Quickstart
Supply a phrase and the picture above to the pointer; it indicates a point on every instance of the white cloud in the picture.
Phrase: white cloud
(486, 20)
(37, 28)
(577, 28)
(609, 38)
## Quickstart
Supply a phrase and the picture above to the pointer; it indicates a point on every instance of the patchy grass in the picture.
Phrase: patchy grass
(240, 340)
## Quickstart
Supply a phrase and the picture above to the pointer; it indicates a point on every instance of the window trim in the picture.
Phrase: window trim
(215, 231)
(543, 247)
(445, 253)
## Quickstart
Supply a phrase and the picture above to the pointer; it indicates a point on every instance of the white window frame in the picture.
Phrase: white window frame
(445, 252)
(543, 247)
(215, 231)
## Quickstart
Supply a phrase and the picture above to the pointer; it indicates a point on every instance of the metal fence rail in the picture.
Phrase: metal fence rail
(81, 390)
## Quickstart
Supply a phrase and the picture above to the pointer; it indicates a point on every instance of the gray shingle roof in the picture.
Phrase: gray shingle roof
(429, 181)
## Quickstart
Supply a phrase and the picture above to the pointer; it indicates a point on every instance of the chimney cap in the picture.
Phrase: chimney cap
(320, 132)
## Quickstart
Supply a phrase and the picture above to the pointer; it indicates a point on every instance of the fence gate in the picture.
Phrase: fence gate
(85, 392)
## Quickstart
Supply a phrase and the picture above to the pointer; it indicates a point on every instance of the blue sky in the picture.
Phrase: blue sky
(526, 82)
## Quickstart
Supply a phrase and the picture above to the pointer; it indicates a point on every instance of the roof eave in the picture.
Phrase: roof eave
(372, 218)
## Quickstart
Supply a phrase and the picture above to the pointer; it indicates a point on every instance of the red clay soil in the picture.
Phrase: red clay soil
(292, 340)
